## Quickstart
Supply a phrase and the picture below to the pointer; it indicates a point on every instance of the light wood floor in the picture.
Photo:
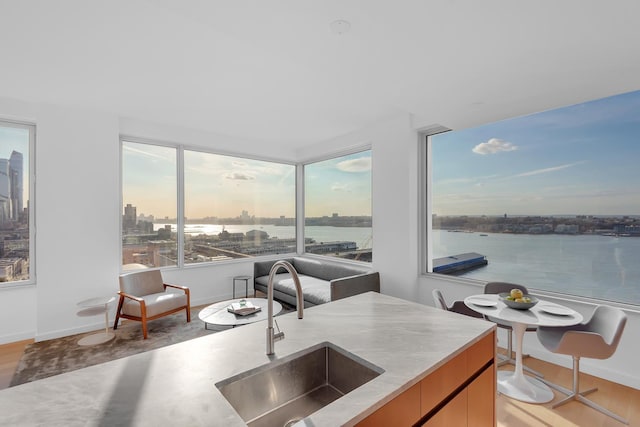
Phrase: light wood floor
(624, 401)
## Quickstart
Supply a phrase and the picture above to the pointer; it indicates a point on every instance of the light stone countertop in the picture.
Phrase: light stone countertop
(175, 385)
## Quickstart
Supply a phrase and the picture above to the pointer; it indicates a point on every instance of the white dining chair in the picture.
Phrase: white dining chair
(597, 338)
(457, 306)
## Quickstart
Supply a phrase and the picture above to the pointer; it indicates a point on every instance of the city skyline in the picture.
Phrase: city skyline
(576, 160)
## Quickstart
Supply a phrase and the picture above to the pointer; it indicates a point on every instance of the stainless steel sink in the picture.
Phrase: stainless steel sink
(287, 390)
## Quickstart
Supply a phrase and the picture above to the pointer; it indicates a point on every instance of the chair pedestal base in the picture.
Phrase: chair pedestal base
(575, 394)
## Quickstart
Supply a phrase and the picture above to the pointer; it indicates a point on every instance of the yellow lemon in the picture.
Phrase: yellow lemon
(516, 293)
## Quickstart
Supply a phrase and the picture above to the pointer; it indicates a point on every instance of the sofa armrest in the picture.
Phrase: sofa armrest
(354, 285)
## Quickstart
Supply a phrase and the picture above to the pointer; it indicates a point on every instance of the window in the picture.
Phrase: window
(550, 200)
(16, 207)
(237, 207)
(232, 207)
(150, 199)
(338, 207)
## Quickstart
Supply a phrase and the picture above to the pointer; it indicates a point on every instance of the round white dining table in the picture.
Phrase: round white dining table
(545, 313)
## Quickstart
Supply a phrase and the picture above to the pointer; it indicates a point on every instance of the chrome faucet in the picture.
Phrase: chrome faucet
(272, 337)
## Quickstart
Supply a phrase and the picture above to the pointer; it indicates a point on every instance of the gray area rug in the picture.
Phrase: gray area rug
(52, 357)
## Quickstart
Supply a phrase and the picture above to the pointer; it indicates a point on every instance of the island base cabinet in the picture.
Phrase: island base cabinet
(462, 392)
(404, 410)
(472, 407)
(481, 407)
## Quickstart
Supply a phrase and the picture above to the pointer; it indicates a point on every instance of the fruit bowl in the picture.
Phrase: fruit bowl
(530, 301)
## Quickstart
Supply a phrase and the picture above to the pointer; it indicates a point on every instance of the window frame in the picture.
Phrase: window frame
(425, 225)
(302, 197)
(31, 202)
(180, 195)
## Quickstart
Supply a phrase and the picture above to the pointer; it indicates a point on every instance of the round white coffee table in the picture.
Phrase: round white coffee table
(217, 314)
(93, 307)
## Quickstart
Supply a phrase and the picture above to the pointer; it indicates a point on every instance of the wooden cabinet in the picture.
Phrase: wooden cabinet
(481, 408)
(461, 392)
(404, 410)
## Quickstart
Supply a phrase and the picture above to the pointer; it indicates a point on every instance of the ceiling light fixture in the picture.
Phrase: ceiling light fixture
(340, 26)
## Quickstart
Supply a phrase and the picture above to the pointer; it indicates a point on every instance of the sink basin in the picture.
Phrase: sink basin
(287, 390)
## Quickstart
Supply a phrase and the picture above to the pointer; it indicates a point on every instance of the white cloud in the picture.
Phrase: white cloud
(362, 164)
(340, 187)
(238, 176)
(494, 145)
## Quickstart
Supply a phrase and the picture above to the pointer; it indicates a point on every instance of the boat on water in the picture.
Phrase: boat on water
(459, 263)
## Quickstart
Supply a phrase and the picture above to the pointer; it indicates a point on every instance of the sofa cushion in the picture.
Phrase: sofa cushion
(323, 269)
(315, 290)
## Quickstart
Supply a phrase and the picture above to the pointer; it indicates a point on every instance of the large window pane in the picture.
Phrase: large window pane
(16, 243)
(149, 195)
(338, 207)
(552, 199)
(237, 207)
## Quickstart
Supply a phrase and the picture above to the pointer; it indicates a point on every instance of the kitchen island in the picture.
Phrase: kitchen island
(176, 385)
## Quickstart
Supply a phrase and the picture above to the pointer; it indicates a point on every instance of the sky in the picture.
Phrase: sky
(341, 185)
(224, 186)
(577, 160)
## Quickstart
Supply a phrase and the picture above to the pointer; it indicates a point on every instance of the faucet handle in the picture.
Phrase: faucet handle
(278, 335)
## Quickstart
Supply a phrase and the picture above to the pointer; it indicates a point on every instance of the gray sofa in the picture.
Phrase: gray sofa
(322, 280)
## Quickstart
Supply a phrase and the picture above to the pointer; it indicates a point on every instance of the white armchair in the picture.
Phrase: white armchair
(144, 296)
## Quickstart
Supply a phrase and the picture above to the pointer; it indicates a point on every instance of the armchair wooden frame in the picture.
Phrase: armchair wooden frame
(143, 308)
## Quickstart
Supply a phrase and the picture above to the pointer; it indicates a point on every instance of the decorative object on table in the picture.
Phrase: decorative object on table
(596, 338)
(498, 288)
(522, 303)
(92, 307)
(457, 306)
(243, 308)
(144, 296)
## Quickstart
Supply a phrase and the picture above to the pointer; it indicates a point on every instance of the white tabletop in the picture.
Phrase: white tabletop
(217, 314)
(538, 315)
(97, 301)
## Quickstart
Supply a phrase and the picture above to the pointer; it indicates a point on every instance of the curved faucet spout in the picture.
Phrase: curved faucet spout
(272, 337)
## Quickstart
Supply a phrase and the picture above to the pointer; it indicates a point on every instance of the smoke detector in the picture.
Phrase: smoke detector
(340, 26)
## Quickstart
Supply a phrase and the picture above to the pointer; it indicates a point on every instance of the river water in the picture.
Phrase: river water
(360, 235)
(602, 267)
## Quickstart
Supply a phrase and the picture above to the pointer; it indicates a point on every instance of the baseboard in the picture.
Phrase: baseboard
(21, 336)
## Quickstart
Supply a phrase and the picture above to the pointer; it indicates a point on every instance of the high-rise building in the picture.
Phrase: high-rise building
(16, 184)
(130, 217)
(5, 191)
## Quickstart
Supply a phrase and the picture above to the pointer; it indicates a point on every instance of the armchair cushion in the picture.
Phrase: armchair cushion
(155, 303)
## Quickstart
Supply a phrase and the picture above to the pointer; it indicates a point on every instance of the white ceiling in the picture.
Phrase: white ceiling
(272, 71)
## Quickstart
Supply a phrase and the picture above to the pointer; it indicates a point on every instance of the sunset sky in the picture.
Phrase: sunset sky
(224, 186)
